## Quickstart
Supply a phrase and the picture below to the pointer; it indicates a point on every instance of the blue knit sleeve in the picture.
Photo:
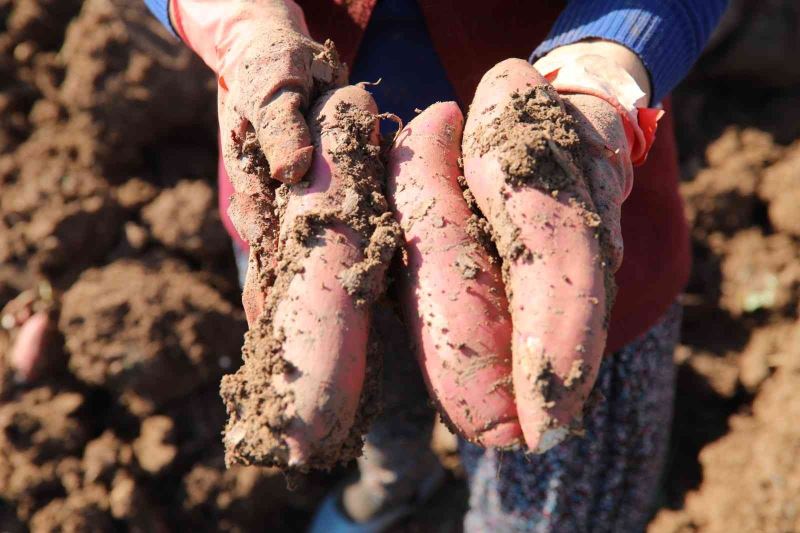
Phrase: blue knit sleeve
(668, 35)
(160, 9)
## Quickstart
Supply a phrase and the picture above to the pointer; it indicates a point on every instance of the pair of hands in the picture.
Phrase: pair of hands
(269, 69)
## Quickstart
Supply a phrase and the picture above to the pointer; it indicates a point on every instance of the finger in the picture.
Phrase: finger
(606, 162)
(452, 293)
(272, 91)
(283, 135)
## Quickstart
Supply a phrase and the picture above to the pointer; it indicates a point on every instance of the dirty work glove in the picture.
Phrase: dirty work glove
(616, 127)
(266, 66)
(268, 71)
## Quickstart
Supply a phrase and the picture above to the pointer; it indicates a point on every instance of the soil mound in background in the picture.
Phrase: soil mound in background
(108, 221)
(108, 217)
(734, 463)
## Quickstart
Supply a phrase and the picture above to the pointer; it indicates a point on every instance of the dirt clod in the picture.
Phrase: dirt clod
(129, 324)
(536, 140)
(185, 218)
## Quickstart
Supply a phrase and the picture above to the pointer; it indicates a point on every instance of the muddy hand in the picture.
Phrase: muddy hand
(266, 66)
(606, 95)
(296, 401)
(268, 71)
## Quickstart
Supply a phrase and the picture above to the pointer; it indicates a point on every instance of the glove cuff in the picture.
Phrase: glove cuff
(598, 76)
(220, 30)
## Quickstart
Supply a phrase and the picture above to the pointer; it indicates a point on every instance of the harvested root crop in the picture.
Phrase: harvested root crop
(452, 292)
(296, 400)
(522, 163)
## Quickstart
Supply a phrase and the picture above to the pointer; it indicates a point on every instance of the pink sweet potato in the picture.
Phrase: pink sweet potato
(452, 293)
(325, 331)
(296, 399)
(521, 165)
(27, 352)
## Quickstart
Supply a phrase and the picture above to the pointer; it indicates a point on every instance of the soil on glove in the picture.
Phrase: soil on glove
(255, 433)
(327, 72)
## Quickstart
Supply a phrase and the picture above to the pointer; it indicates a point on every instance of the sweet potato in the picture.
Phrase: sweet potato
(295, 401)
(522, 163)
(452, 293)
(27, 352)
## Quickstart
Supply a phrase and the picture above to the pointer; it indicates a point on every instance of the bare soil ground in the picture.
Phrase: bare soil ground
(108, 221)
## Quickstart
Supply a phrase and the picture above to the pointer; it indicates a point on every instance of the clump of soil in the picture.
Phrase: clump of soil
(722, 196)
(259, 412)
(751, 476)
(230, 498)
(535, 140)
(38, 428)
(185, 218)
(124, 72)
(780, 188)
(129, 324)
(50, 218)
(760, 273)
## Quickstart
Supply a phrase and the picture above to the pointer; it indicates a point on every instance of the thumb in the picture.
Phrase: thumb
(607, 164)
(284, 136)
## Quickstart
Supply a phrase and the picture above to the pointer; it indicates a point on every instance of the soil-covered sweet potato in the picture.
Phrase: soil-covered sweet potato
(452, 293)
(295, 401)
(522, 162)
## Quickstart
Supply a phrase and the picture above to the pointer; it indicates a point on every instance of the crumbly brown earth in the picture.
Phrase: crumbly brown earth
(535, 140)
(257, 422)
(731, 468)
(185, 218)
(125, 433)
(75, 164)
(129, 324)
